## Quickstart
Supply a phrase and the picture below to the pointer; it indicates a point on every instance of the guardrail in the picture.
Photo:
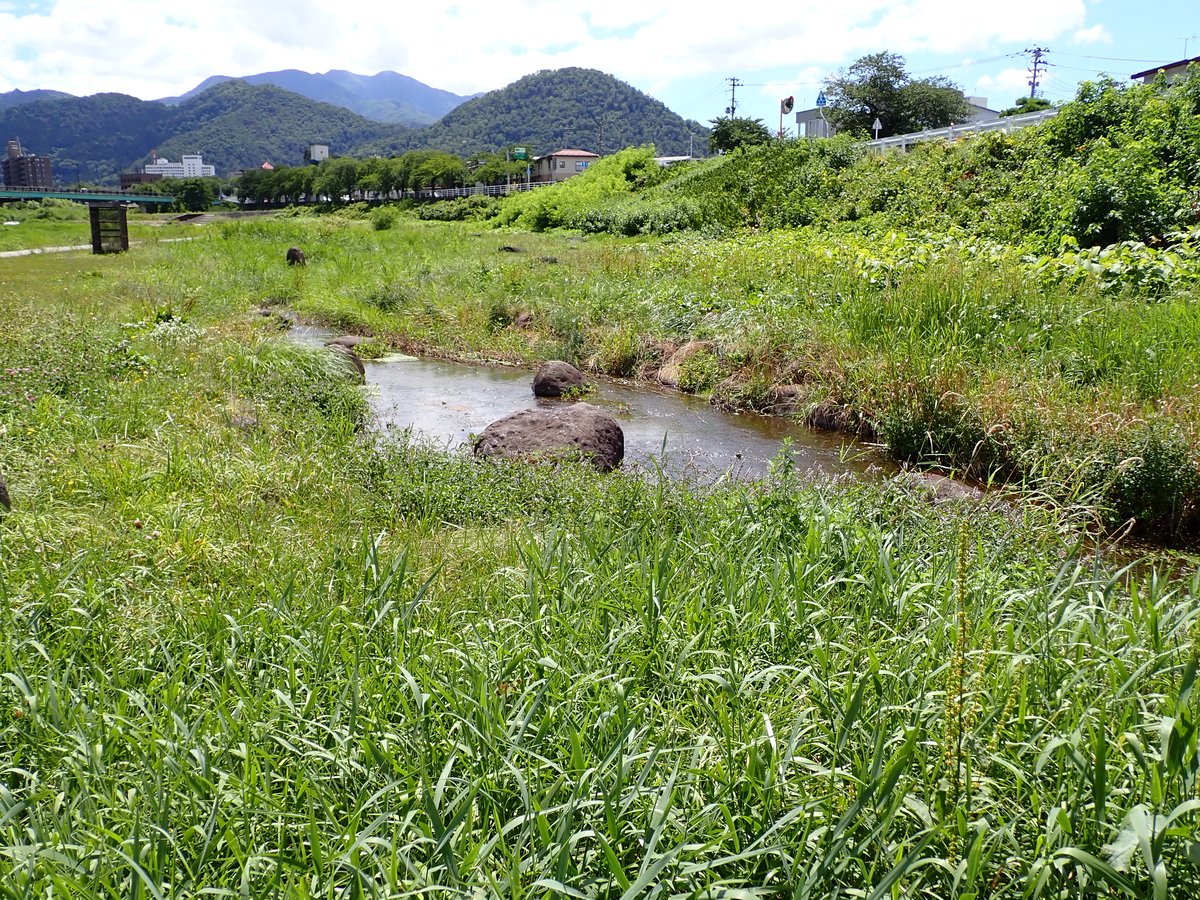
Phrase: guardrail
(954, 132)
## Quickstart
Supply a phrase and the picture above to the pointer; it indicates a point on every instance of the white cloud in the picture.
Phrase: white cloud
(83, 46)
(1097, 34)
(1003, 89)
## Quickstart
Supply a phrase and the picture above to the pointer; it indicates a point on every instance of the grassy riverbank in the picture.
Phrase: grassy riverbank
(65, 224)
(955, 354)
(249, 647)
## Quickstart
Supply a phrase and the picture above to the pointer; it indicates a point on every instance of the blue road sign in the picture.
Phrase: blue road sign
(821, 101)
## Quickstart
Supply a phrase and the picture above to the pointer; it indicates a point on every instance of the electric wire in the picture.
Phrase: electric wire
(1109, 58)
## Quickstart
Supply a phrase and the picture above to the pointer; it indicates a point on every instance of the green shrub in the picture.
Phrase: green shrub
(384, 217)
(460, 209)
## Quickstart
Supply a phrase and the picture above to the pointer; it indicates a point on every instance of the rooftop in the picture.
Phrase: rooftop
(1173, 65)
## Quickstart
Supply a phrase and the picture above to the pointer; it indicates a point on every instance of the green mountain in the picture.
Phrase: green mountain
(383, 97)
(581, 109)
(235, 125)
(91, 138)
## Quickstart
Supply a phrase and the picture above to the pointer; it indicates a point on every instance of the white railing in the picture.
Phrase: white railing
(489, 190)
(954, 132)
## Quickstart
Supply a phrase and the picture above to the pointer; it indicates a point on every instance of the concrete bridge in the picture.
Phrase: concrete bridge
(21, 193)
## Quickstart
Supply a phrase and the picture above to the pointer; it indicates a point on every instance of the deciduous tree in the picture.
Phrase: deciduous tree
(1026, 105)
(878, 87)
(729, 133)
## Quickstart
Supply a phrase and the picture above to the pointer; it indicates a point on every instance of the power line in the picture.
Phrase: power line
(968, 64)
(1108, 58)
(1080, 69)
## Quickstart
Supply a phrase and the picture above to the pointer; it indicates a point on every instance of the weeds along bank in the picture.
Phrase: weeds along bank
(1079, 381)
(1017, 306)
(248, 647)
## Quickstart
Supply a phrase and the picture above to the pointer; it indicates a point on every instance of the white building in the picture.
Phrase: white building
(316, 152)
(190, 166)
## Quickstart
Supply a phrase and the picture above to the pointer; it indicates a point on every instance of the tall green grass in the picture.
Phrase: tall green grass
(955, 352)
(248, 648)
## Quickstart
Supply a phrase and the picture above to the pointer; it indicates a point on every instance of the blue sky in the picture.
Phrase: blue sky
(680, 53)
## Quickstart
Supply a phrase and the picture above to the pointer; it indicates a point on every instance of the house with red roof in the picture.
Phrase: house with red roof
(561, 165)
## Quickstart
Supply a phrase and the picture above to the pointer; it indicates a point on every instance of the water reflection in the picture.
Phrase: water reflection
(451, 401)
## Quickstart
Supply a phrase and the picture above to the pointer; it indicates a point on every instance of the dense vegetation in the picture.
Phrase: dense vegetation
(236, 125)
(1117, 164)
(88, 138)
(247, 647)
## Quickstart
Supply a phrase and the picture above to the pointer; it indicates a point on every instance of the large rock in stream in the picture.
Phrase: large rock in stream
(556, 378)
(579, 429)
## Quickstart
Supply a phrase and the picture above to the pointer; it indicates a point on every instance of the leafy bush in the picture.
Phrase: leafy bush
(555, 205)
(460, 209)
(384, 217)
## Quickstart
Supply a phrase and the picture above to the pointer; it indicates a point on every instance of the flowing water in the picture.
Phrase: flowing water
(448, 402)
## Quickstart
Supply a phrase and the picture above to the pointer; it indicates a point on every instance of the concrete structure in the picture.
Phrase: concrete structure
(812, 122)
(314, 153)
(1174, 71)
(189, 166)
(561, 165)
(129, 179)
(24, 170)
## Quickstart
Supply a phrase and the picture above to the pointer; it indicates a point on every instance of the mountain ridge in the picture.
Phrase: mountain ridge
(235, 125)
(387, 97)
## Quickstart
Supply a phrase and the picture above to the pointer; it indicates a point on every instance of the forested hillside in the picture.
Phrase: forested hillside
(93, 138)
(584, 109)
(383, 97)
(234, 125)
(238, 126)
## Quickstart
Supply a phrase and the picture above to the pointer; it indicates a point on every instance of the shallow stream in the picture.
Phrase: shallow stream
(448, 402)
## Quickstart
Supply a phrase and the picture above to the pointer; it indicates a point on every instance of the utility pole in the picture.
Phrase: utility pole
(1037, 63)
(734, 84)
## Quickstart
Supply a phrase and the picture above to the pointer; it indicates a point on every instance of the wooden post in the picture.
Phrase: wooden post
(110, 227)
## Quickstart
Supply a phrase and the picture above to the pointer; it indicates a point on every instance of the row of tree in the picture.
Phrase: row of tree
(348, 178)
